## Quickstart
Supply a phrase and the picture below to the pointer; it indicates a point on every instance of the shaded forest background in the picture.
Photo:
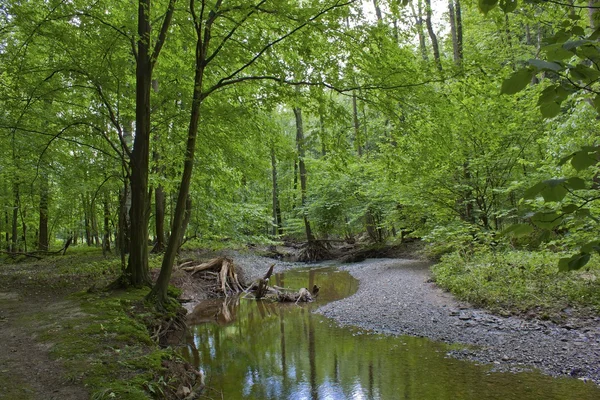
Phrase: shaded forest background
(301, 120)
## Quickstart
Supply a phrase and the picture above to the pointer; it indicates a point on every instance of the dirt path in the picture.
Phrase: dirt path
(395, 297)
(27, 372)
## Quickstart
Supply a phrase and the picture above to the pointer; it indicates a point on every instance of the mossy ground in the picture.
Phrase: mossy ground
(520, 282)
(100, 338)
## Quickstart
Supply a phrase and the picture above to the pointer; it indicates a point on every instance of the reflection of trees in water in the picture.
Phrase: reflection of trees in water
(220, 311)
(279, 352)
(312, 359)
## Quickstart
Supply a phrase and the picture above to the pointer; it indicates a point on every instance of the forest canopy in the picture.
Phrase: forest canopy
(140, 127)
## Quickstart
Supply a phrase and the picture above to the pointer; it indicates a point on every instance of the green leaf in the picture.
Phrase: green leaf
(582, 160)
(556, 52)
(508, 5)
(591, 246)
(542, 65)
(578, 261)
(584, 73)
(573, 44)
(518, 230)
(486, 6)
(574, 262)
(595, 35)
(583, 213)
(517, 81)
(563, 264)
(575, 183)
(554, 190)
(597, 103)
(569, 208)
(546, 219)
(577, 31)
(547, 95)
(550, 110)
(533, 191)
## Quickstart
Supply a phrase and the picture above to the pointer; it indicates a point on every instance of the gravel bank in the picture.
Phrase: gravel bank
(396, 298)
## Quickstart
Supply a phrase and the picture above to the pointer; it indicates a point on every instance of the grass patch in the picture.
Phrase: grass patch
(519, 282)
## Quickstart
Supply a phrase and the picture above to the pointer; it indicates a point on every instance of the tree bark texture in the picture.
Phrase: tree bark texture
(43, 222)
(302, 169)
(276, 215)
(137, 273)
(432, 36)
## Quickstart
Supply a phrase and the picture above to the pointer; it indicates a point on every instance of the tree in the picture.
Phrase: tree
(212, 25)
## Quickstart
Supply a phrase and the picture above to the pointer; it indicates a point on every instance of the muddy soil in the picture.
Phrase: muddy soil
(396, 297)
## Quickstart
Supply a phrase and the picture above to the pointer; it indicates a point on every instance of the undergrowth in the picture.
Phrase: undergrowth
(519, 281)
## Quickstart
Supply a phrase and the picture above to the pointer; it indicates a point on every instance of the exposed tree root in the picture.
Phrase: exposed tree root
(223, 268)
(313, 251)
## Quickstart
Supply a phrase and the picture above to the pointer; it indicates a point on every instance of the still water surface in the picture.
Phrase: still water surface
(258, 350)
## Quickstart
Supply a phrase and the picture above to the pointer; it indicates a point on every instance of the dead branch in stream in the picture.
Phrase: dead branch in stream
(261, 290)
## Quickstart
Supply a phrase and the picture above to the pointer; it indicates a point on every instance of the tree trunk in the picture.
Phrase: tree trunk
(377, 11)
(43, 222)
(15, 221)
(276, 216)
(356, 123)
(94, 219)
(432, 36)
(137, 273)
(459, 30)
(159, 219)
(592, 7)
(106, 236)
(124, 224)
(86, 220)
(418, 16)
(300, 145)
(453, 32)
(7, 224)
(186, 220)
(159, 291)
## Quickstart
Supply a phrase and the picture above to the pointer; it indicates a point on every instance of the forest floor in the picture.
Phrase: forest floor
(27, 371)
(396, 296)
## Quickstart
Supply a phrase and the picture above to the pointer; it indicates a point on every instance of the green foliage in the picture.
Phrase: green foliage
(519, 281)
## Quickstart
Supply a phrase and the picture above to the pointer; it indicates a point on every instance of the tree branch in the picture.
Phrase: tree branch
(232, 32)
(278, 40)
(162, 36)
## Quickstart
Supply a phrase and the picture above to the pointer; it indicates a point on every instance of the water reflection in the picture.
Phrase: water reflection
(260, 350)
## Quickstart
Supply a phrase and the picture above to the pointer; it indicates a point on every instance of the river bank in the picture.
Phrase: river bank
(396, 297)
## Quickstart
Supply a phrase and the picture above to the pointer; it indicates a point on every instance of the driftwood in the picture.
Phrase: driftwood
(261, 290)
(223, 268)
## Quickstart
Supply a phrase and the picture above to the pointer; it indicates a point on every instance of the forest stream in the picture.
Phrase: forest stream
(251, 349)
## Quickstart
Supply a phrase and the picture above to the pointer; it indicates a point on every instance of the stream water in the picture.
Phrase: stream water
(260, 350)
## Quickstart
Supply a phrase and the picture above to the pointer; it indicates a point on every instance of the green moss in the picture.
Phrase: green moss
(106, 344)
